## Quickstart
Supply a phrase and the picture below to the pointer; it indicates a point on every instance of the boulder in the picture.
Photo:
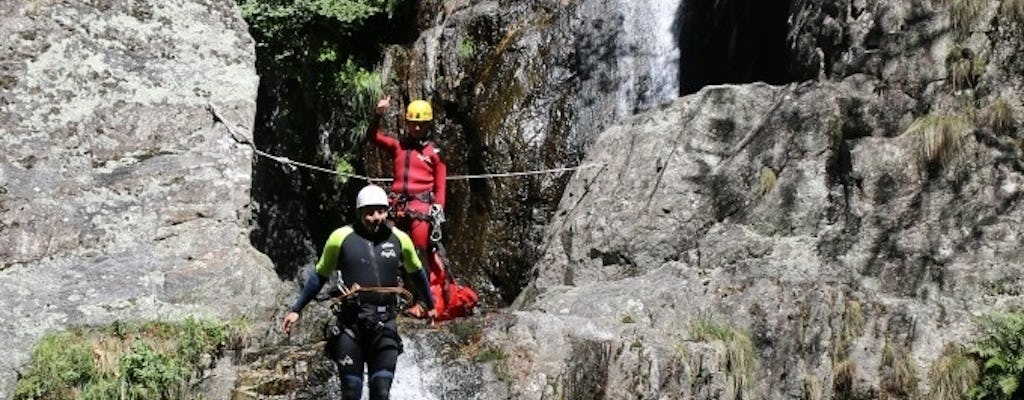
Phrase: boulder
(125, 174)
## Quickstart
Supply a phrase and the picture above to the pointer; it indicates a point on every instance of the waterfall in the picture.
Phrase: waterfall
(415, 373)
(650, 54)
(627, 57)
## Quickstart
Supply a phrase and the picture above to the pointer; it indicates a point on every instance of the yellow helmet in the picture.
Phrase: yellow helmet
(419, 110)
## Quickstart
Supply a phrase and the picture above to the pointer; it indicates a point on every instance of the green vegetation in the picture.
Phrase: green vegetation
(274, 18)
(61, 363)
(343, 168)
(156, 360)
(1001, 352)
(321, 59)
(740, 363)
(465, 332)
(490, 353)
(952, 374)
(361, 88)
(466, 49)
(938, 137)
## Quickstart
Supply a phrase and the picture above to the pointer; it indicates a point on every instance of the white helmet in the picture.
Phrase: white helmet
(371, 195)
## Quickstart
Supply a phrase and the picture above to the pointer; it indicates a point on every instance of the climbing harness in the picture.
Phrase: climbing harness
(352, 295)
(399, 205)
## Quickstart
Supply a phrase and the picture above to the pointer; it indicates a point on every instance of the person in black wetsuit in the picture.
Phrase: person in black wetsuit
(369, 255)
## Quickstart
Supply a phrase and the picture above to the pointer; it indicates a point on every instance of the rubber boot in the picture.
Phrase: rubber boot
(351, 387)
(380, 388)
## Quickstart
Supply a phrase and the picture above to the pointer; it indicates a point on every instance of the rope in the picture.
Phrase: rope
(524, 173)
(290, 162)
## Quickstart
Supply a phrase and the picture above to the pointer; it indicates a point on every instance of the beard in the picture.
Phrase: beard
(374, 227)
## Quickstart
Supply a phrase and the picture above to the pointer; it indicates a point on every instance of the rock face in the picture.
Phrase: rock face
(851, 227)
(522, 86)
(123, 195)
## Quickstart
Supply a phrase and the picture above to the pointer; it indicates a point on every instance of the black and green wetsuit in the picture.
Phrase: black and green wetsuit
(366, 332)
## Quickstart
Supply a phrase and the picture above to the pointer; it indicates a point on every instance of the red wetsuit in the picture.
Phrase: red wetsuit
(420, 177)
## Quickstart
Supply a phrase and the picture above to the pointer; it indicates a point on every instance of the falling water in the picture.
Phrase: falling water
(628, 57)
(650, 54)
(415, 373)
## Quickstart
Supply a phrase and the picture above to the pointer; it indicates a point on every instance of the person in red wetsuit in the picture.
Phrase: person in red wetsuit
(418, 193)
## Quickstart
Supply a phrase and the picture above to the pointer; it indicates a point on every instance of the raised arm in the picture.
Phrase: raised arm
(375, 134)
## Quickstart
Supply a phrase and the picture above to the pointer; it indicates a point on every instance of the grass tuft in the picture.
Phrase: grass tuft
(465, 340)
(812, 388)
(938, 138)
(962, 14)
(999, 116)
(767, 182)
(953, 374)
(898, 374)
(740, 362)
(466, 49)
(853, 325)
(843, 376)
(964, 68)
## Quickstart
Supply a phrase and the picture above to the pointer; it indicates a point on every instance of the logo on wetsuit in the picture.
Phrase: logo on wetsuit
(388, 251)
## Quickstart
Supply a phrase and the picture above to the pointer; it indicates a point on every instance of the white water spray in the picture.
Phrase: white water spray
(649, 60)
(415, 374)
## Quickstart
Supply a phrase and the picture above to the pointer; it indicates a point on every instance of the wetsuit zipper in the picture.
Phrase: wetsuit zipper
(405, 174)
(373, 263)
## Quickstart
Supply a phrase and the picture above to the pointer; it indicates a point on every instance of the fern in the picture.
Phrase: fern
(360, 89)
(1001, 350)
